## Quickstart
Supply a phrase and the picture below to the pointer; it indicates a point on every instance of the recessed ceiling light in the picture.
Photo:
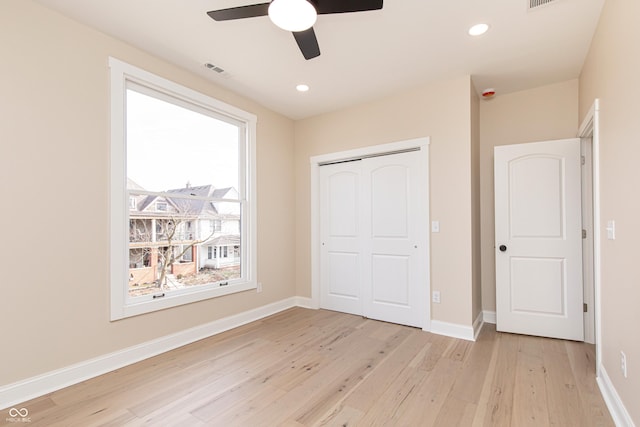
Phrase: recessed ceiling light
(302, 88)
(478, 29)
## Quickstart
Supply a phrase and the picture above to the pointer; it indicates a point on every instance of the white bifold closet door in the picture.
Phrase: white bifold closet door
(373, 229)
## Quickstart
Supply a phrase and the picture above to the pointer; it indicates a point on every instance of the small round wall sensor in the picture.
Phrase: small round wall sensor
(488, 93)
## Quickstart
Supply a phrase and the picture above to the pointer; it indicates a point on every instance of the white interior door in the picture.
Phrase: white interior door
(539, 239)
(394, 244)
(341, 237)
(373, 228)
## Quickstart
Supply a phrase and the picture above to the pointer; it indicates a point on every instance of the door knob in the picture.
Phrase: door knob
(502, 248)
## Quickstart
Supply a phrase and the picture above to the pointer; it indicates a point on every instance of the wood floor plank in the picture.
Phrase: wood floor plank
(341, 416)
(289, 357)
(485, 394)
(347, 369)
(306, 367)
(399, 392)
(356, 402)
(475, 367)
(439, 345)
(582, 360)
(301, 383)
(379, 380)
(431, 394)
(500, 403)
(530, 396)
(240, 412)
(563, 401)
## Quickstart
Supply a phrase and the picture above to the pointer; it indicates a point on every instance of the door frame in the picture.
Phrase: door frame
(587, 239)
(389, 148)
(590, 130)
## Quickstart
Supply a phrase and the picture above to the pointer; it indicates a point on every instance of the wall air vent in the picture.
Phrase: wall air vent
(533, 4)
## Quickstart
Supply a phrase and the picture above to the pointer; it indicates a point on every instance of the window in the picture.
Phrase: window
(187, 253)
(164, 138)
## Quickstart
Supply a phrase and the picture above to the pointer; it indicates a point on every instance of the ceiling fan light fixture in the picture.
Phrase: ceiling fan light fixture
(292, 15)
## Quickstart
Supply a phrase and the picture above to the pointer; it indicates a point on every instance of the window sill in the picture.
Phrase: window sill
(175, 299)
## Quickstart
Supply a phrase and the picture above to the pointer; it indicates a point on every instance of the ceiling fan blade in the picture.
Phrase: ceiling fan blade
(307, 43)
(345, 6)
(241, 12)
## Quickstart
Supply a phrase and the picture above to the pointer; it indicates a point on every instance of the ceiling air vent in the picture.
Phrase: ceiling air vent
(533, 4)
(216, 69)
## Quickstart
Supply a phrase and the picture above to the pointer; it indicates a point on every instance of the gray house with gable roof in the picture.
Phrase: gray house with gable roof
(202, 234)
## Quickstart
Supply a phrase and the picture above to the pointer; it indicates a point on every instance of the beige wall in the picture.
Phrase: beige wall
(475, 204)
(440, 110)
(611, 74)
(545, 113)
(54, 87)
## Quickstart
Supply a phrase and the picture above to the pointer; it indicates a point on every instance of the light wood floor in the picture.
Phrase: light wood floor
(314, 368)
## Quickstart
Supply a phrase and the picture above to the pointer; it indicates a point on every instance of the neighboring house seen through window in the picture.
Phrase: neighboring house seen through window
(185, 162)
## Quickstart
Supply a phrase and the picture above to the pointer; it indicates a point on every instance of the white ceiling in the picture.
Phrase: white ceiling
(365, 55)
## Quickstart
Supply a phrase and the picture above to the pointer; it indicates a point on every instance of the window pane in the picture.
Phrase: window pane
(172, 148)
(190, 160)
(222, 261)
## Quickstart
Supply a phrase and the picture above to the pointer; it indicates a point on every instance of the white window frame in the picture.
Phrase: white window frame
(121, 305)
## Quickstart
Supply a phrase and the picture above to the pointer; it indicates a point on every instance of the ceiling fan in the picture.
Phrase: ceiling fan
(297, 16)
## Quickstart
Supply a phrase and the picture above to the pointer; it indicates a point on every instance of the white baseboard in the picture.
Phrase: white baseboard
(477, 325)
(453, 330)
(489, 317)
(617, 409)
(21, 391)
(304, 302)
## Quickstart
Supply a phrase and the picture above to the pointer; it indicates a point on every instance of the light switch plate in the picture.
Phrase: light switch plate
(435, 226)
(611, 230)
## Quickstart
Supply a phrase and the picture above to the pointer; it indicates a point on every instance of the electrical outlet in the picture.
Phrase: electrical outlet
(623, 363)
(435, 297)
(259, 287)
